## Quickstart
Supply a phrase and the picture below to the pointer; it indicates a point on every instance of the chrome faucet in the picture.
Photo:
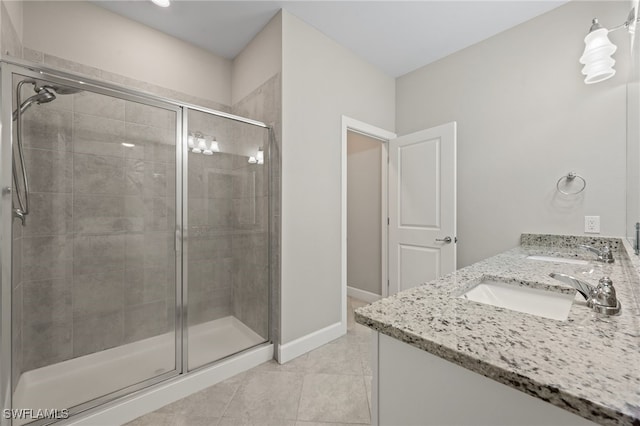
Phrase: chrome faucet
(605, 255)
(601, 299)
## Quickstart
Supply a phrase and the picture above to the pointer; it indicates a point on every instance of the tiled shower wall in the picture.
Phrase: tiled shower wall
(265, 104)
(228, 233)
(98, 260)
(210, 223)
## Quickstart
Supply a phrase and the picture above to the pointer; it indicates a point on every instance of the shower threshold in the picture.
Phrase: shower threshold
(79, 380)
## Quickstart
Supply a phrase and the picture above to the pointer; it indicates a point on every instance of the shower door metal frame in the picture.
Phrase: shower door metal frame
(10, 66)
(8, 70)
(6, 243)
(184, 231)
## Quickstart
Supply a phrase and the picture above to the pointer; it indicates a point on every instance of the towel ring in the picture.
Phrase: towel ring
(569, 178)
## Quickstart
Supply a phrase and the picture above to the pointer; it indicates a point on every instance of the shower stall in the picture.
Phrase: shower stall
(134, 241)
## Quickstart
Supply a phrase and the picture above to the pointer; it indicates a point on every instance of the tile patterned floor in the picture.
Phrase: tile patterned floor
(330, 386)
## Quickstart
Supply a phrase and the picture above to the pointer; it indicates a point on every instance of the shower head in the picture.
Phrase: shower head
(38, 85)
(43, 95)
(45, 92)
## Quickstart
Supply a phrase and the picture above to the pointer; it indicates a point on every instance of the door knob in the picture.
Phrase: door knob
(445, 239)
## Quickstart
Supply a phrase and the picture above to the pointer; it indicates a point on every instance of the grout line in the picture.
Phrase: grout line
(304, 375)
(226, 407)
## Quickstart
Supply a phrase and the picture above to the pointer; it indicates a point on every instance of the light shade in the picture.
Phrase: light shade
(161, 3)
(214, 145)
(597, 60)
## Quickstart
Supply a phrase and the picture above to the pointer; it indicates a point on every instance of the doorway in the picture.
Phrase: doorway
(366, 173)
(417, 207)
(368, 145)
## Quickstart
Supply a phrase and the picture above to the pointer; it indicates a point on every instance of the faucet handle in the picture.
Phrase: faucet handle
(604, 299)
(607, 256)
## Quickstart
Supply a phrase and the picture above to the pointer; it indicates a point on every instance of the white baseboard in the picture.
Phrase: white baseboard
(146, 401)
(311, 341)
(363, 295)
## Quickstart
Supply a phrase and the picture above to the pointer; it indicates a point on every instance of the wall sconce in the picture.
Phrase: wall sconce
(597, 60)
(201, 144)
(258, 158)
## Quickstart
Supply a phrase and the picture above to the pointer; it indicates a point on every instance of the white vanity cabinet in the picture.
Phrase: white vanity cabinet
(414, 387)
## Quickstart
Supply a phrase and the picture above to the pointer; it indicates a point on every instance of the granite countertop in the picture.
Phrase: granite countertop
(588, 364)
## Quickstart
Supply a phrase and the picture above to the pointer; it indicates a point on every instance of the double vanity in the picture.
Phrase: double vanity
(502, 342)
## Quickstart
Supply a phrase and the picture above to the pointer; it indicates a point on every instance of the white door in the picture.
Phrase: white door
(422, 206)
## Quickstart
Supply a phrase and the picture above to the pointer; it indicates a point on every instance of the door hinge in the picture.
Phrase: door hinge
(388, 222)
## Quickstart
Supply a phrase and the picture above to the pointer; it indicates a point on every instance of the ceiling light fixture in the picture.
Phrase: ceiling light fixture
(596, 58)
(161, 3)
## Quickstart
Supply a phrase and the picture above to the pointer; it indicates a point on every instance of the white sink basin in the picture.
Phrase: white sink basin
(558, 260)
(522, 297)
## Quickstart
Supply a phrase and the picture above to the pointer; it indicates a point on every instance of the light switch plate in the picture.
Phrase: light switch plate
(592, 224)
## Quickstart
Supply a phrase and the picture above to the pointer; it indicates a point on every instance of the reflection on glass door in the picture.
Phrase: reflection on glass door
(227, 248)
(94, 265)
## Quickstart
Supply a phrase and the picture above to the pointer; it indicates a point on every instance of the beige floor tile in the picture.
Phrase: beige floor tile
(153, 419)
(230, 421)
(266, 395)
(196, 421)
(334, 398)
(335, 358)
(368, 380)
(301, 423)
(365, 357)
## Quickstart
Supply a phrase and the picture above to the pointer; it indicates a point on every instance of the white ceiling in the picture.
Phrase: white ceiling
(395, 36)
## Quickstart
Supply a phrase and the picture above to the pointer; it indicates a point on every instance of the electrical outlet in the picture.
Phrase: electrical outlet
(592, 224)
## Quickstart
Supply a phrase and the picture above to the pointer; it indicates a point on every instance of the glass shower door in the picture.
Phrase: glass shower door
(94, 265)
(226, 251)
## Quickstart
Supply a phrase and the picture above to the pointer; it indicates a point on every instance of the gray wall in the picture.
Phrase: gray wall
(525, 118)
(90, 35)
(364, 204)
(321, 81)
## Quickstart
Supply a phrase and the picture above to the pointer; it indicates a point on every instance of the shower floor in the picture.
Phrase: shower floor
(85, 378)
